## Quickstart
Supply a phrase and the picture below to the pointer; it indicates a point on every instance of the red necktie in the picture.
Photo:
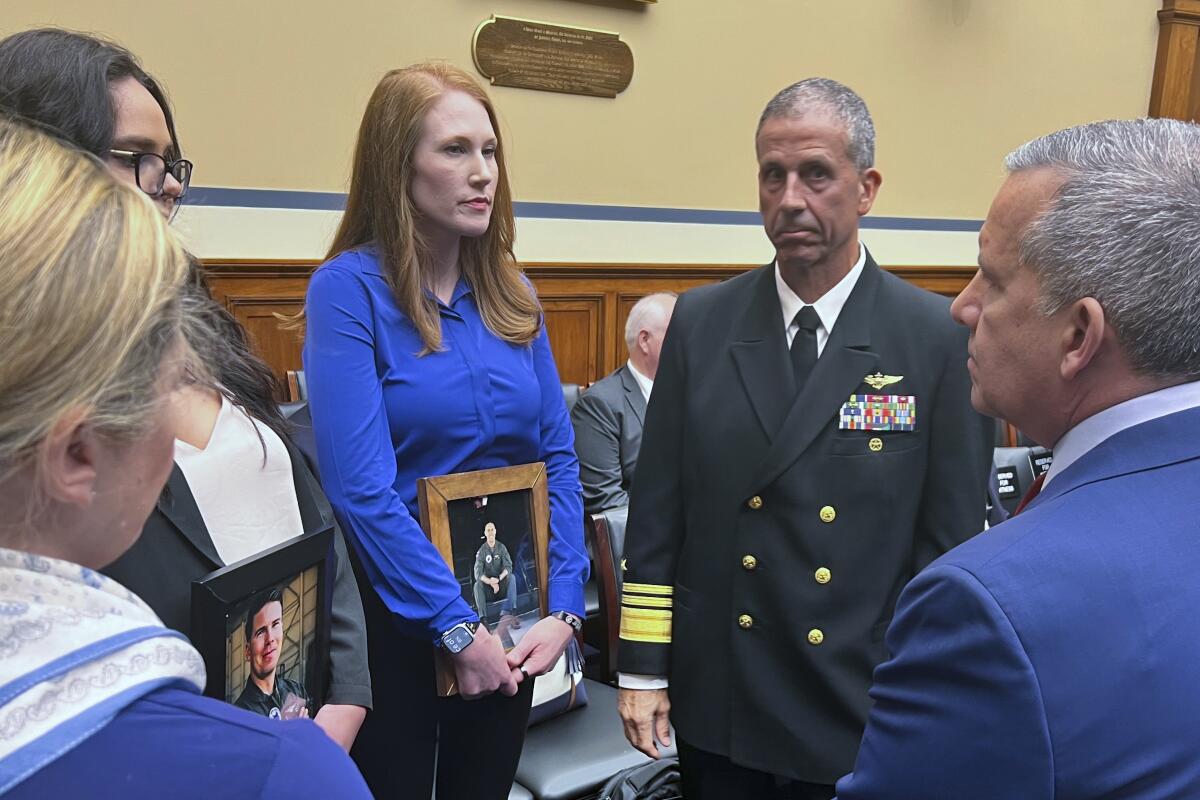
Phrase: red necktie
(1034, 488)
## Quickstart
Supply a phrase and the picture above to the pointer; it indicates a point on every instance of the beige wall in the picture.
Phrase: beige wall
(269, 93)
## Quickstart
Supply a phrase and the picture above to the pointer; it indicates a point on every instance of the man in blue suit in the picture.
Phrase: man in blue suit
(1056, 655)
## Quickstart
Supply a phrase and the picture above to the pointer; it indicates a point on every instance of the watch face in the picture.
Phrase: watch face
(572, 620)
(457, 638)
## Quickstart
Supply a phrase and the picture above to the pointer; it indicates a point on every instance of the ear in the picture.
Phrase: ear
(868, 188)
(1083, 337)
(643, 342)
(68, 460)
(246, 650)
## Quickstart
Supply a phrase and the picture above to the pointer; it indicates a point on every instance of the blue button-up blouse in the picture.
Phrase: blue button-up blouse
(384, 417)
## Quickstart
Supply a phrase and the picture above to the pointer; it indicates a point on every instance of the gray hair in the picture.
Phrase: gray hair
(647, 313)
(836, 99)
(1124, 228)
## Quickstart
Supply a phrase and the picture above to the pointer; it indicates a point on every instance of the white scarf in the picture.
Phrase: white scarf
(75, 649)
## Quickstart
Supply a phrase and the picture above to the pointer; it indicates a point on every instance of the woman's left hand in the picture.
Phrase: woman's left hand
(540, 648)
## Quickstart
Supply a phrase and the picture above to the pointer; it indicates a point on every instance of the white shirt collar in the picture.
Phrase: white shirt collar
(644, 383)
(828, 306)
(1076, 442)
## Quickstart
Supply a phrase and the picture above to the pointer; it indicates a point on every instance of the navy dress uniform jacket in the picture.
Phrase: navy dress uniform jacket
(766, 547)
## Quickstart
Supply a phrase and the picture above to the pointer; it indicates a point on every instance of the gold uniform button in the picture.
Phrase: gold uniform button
(828, 514)
(745, 622)
(876, 444)
(815, 636)
(755, 503)
(749, 562)
(822, 575)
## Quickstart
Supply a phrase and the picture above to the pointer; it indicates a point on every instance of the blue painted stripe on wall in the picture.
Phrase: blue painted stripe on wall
(335, 201)
(265, 198)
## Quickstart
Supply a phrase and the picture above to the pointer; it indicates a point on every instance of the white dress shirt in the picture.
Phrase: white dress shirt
(829, 308)
(248, 502)
(1076, 442)
(644, 383)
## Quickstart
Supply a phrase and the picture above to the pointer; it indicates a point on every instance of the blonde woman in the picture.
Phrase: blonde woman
(239, 485)
(97, 698)
(426, 355)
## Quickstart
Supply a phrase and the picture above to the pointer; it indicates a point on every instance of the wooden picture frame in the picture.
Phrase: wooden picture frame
(456, 513)
(302, 571)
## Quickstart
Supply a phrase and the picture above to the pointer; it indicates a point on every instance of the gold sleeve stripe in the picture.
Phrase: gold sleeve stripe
(644, 613)
(649, 588)
(646, 602)
(640, 625)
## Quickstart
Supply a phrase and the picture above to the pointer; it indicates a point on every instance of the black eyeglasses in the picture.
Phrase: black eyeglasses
(151, 171)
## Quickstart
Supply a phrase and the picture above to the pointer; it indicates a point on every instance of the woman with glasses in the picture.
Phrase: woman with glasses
(239, 485)
(96, 96)
(426, 354)
(100, 700)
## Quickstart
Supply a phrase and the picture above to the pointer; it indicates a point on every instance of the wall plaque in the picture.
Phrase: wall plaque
(553, 58)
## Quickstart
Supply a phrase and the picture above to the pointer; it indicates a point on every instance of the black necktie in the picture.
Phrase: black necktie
(804, 345)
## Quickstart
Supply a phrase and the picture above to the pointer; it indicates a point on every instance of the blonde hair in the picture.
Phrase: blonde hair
(89, 279)
(380, 210)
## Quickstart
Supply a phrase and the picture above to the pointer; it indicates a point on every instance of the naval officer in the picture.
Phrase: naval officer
(810, 445)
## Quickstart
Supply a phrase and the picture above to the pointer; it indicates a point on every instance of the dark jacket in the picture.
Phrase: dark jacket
(271, 705)
(766, 544)
(175, 542)
(608, 434)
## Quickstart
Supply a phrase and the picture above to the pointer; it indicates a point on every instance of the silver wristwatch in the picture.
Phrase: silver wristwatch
(457, 638)
(569, 618)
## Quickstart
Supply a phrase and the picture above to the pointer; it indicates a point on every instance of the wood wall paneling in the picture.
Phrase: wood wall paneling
(586, 305)
(574, 323)
(255, 292)
(1175, 91)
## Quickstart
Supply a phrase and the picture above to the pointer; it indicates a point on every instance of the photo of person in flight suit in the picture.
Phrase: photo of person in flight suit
(268, 691)
(493, 578)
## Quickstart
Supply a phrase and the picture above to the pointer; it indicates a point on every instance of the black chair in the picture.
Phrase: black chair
(519, 792)
(570, 757)
(297, 386)
(606, 534)
(571, 392)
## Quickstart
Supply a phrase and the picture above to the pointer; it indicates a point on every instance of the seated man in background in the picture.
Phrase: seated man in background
(608, 417)
(1055, 656)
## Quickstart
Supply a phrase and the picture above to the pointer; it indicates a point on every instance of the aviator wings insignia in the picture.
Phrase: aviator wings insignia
(879, 380)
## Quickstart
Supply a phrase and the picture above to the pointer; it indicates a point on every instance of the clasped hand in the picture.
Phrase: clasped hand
(483, 668)
(540, 648)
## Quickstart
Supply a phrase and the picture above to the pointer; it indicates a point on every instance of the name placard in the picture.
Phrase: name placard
(1040, 460)
(1007, 479)
(527, 54)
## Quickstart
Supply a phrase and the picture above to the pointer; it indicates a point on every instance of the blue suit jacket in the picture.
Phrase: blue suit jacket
(1056, 655)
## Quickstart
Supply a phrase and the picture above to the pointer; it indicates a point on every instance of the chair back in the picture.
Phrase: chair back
(571, 392)
(606, 530)
(297, 386)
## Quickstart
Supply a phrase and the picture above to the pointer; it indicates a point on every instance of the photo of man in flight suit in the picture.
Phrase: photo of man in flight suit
(493, 577)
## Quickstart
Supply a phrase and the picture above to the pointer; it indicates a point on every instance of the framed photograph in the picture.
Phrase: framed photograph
(493, 529)
(262, 627)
